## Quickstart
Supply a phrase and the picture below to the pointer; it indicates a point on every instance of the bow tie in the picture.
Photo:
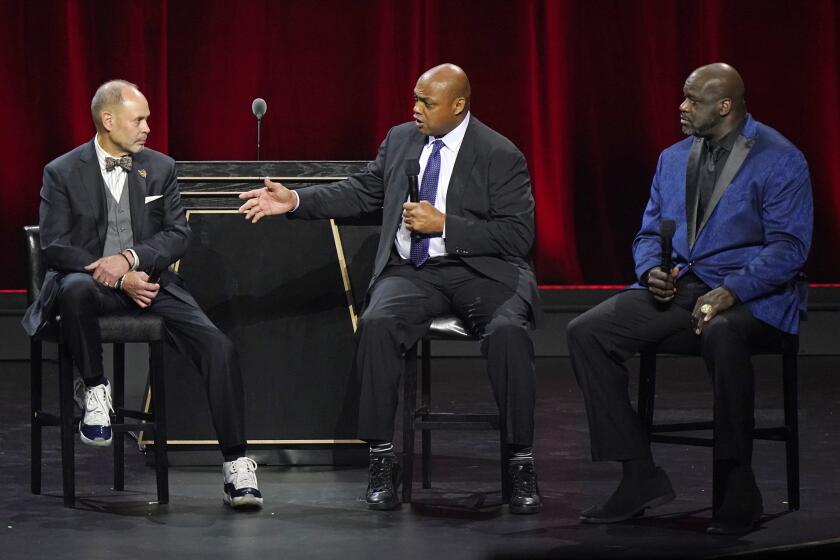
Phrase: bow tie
(124, 162)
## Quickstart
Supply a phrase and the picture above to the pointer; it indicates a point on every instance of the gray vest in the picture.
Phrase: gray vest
(120, 235)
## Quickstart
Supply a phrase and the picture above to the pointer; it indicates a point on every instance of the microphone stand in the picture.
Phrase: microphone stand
(259, 120)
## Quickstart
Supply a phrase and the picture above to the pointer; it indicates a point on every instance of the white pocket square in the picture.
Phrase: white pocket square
(152, 198)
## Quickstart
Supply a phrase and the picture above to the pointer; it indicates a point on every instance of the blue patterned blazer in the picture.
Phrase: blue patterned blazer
(757, 231)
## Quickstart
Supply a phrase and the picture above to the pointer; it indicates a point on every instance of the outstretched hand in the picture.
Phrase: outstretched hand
(272, 199)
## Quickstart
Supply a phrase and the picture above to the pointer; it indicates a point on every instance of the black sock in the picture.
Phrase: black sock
(381, 447)
(233, 453)
(521, 453)
(94, 381)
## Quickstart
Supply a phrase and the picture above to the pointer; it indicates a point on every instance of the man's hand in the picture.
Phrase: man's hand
(661, 284)
(270, 200)
(136, 285)
(108, 270)
(710, 304)
(422, 217)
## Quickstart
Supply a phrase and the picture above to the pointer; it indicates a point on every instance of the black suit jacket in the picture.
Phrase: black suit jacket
(489, 205)
(73, 222)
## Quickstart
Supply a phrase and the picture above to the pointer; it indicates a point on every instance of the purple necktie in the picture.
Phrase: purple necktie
(428, 191)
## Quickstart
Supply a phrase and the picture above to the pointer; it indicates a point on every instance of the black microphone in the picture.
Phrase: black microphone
(258, 107)
(666, 232)
(412, 170)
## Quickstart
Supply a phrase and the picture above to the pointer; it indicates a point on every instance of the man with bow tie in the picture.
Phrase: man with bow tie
(111, 223)
(463, 248)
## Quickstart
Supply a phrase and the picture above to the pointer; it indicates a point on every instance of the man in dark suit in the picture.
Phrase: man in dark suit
(111, 224)
(463, 247)
(740, 196)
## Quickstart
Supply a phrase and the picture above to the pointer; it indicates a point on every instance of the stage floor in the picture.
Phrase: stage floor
(318, 512)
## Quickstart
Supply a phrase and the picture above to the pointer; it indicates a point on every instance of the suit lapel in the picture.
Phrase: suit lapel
(93, 187)
(691, 191)
(461, 172)
(136, 184)
(740, 151)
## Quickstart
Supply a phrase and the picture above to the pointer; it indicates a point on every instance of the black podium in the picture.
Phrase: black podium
(287, 292)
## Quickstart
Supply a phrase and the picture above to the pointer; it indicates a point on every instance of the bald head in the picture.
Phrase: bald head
(441, 99)
(107, 96)
(714, 101)
(121, 114)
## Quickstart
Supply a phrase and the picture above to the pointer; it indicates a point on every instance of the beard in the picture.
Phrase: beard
(702, 129)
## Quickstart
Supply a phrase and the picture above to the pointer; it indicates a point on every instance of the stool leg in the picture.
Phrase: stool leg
(35, 399)
(156, 378)
(409, 408)
(791, 400)
(66, 413)
(119, 405)
(647, 388)
(426, 403)
(504, 457)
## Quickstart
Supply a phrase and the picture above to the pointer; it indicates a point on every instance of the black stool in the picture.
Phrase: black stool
(687, 344)
(118, 330)
(422, 418)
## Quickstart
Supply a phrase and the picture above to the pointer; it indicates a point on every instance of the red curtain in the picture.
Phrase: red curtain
(587, 89)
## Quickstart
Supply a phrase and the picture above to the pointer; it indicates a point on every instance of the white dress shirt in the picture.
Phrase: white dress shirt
(448, 154)
(115, 181)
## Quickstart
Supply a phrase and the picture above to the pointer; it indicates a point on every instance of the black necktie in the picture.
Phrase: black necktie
(124, 162)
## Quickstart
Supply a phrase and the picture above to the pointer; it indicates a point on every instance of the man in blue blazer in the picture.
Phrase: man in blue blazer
(111, 223)
(463, 248)
(740, 196)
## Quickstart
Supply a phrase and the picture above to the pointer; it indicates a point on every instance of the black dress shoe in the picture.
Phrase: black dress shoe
(525, 492)
(631, 498)
(742, 505)
(383, 480)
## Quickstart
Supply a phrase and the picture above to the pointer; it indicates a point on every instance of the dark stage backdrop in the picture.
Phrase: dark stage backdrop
(587, 89)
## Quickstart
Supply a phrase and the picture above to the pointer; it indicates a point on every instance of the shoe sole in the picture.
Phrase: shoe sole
(94, 442)
(243, 502)
(655, 502)
(721, 530)
(525, 510)
(386, 506)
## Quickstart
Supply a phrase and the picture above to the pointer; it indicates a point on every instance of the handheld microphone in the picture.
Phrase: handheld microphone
(666, 233)
(258, 107)
(412, 170)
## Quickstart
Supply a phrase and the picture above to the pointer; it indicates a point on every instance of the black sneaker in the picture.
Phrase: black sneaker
(384, 477)
(525, 492)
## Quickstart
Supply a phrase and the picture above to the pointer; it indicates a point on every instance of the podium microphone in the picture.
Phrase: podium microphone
(666, 234)
(258, 107)
(412, 170)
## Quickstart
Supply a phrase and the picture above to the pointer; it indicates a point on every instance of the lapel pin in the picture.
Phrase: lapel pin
(142, 173)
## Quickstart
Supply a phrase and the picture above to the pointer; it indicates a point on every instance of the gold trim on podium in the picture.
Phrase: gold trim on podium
(297, 179)
(348, 291)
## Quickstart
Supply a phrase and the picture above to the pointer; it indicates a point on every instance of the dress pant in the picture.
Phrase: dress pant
(400, 307)
(81, 300)
(603, 338)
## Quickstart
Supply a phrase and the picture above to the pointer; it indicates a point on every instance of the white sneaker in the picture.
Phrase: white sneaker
(95, 427)
(241, 489)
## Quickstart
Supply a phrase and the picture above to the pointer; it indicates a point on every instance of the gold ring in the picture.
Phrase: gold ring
(705, 309)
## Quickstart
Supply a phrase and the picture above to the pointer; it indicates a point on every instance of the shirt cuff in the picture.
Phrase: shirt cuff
(136, 264)
(297, 201)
